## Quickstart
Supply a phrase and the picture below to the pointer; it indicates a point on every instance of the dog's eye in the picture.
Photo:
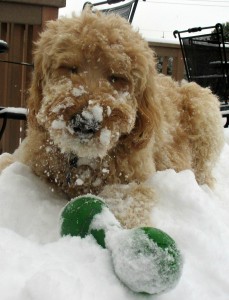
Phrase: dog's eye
(74, 70)
(115, 78)
(66, 69)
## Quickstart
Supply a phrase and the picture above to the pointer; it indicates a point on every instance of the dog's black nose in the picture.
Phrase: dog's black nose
(85, 125)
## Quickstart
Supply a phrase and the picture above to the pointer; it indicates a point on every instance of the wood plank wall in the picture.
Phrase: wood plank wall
(20, 24)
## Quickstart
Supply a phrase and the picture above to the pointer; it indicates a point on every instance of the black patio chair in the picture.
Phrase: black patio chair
(13, 113)
(3, 46)
(206, 62)
(126, 10)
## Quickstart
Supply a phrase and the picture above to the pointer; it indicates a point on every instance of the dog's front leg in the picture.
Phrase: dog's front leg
(131, 204)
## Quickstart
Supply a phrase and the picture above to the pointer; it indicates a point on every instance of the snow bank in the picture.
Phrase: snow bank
(36, 264)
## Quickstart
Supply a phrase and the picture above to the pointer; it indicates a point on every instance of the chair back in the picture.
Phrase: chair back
(126, 10)
(205, 58)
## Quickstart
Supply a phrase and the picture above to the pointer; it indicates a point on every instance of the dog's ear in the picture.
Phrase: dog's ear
(42, 61)
(35, 91)
(148, 120)
(149, 111)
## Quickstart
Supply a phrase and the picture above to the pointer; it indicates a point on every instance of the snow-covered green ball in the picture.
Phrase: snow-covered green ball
(145, 259)
(79, 215)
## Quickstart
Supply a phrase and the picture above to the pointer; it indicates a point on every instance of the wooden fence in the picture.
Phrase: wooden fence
(170, 60)
(20, 24)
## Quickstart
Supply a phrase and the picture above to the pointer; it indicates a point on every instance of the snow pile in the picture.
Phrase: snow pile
(37, 264)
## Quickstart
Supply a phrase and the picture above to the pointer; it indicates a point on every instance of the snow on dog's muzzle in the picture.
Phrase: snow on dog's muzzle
(87, 126)
(88, 122)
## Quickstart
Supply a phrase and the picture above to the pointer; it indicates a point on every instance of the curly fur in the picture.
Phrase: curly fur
(101, 120)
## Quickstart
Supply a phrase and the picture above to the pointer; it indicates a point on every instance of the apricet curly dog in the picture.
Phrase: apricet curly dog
(102, 120)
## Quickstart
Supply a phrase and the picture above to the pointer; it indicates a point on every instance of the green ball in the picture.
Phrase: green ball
(146, 259)
(170, 265)
(77, 216)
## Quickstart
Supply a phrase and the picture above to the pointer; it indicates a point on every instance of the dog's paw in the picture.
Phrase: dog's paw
(131, 204)
(6, 159)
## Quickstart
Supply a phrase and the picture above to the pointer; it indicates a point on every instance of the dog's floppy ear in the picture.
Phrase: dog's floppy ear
(149, 109)
(147, 122)
(35, 91)
(148, 119)
(42, 63)
(47, 46)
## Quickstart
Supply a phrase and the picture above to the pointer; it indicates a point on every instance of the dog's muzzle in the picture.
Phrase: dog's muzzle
(84, 125)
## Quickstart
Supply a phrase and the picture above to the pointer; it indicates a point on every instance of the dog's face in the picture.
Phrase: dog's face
(90, 77)
(88, 100)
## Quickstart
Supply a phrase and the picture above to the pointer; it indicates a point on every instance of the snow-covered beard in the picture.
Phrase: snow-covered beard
(84, 123)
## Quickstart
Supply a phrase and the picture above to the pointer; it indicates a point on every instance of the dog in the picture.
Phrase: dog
(101, 120)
